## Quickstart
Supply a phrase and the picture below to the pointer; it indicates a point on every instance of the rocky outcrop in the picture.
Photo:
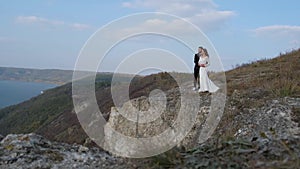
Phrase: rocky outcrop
(27, 151)
(140, 118)
(256, 131)
(268, 121)
(265, 136)
(164, 118)
(274, 117)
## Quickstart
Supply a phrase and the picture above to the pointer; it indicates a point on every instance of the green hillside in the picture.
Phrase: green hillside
(51, 114)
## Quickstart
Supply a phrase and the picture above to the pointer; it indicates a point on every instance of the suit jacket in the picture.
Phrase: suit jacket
(196, 60)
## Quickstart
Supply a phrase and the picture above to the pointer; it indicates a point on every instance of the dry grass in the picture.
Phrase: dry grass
(257, 82)
(280, 75)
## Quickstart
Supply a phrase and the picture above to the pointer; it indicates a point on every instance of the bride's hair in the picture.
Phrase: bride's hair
(205, 51)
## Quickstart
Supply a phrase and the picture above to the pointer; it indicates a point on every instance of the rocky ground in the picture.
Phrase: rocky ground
(28, 151)
(254, 132)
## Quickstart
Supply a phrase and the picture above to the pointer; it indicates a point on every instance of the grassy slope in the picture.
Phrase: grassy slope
(260, 81)
(51, 114)
(279, 75)
(255, 83)
(29, 115)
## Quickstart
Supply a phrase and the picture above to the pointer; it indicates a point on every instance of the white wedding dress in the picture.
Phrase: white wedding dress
(205, 83)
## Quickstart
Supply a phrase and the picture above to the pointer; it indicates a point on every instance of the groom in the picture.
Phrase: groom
(196, 69)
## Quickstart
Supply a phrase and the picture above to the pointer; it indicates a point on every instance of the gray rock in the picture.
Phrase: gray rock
(26, 151)
(293, 102)
(274, 118)
(131, 120)
(83, 149)
(269, 129)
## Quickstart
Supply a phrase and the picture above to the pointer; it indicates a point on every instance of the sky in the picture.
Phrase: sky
(50, 34)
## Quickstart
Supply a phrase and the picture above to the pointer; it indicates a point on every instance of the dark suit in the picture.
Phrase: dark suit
(196, 70)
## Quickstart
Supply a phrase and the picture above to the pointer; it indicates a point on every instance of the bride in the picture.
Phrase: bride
(206, 85)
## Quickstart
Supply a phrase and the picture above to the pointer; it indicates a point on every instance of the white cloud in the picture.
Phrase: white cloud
(49, 22)
(278, 30)
(176, 26)
(203, 13)
(36, 19)
(287, 35)
(29, 19)
(127, 4)
(211, 20)
(79, 26)
(173, 6)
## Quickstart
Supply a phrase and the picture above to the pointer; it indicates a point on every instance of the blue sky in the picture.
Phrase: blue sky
(50, 33)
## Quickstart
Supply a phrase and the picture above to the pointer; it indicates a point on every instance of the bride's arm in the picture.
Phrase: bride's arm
(207, 62)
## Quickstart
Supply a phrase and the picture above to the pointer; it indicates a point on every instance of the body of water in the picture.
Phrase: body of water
(14, 92)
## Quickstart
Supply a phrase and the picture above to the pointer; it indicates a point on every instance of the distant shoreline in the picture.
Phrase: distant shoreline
(50, 76)
(35, 81)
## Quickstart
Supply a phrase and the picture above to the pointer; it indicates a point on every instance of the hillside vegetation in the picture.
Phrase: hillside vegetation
(258, 128)
(51, 114)
(279, 75)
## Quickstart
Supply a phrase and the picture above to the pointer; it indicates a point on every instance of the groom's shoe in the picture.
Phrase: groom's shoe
(203, 91)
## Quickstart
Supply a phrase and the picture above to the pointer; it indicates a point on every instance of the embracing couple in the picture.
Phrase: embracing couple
(201, 81)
